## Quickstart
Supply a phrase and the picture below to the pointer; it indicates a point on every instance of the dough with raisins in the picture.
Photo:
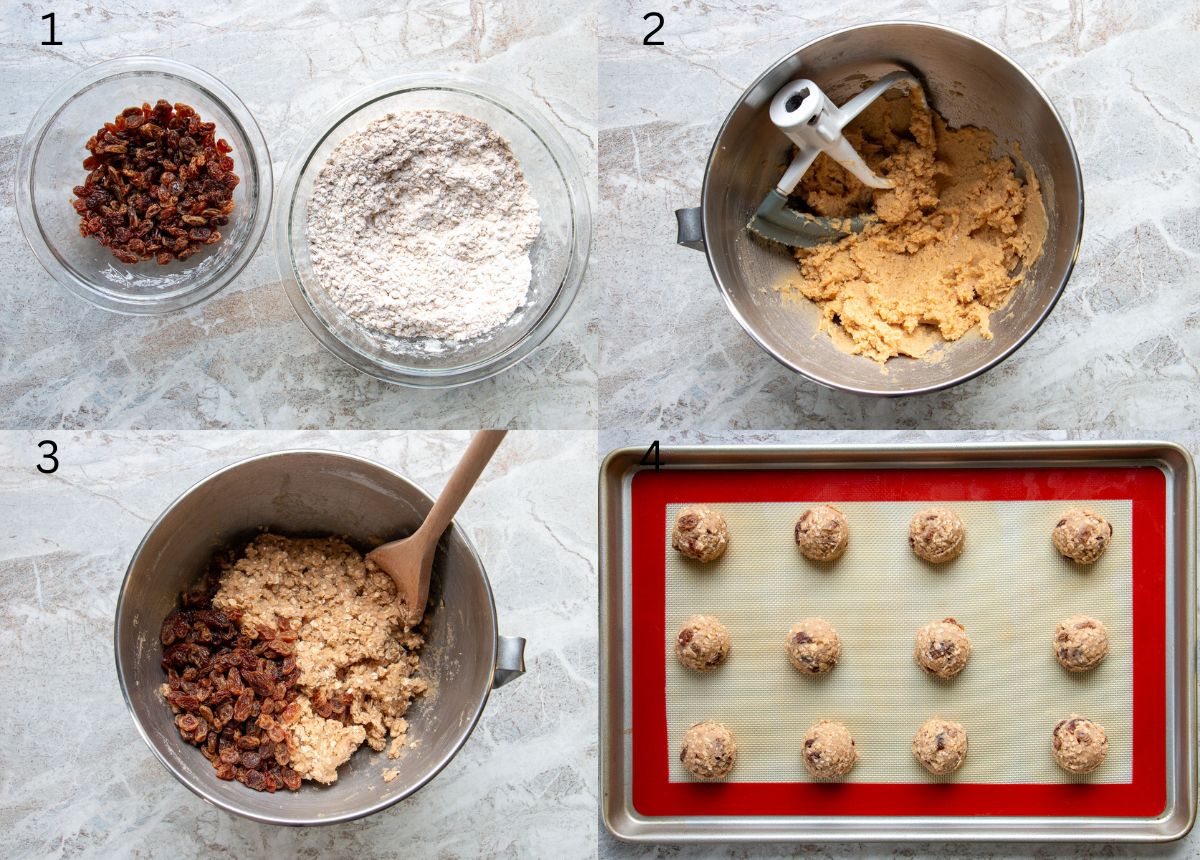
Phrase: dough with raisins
(828, 750)
(942, 648)
(702, 643)
(813, 646)
(940, 746)
(709, 751)
(822, 533)
(1080, 746)
(936, 535)
(700, 533)
(1082, 535)
(1080, 643)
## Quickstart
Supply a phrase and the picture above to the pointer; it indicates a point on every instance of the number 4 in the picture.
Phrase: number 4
(652, 451)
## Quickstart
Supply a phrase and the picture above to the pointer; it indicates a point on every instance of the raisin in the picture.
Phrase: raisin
(241, 710)
(170, 152)
(224, 694)
(291, 779)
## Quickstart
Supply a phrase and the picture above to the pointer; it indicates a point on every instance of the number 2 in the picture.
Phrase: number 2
(53, 41)
(53, 450)
(648, 40)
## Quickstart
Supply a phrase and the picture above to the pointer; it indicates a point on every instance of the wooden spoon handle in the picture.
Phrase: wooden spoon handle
(466, 473)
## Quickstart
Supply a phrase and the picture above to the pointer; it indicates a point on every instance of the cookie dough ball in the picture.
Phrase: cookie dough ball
(813, 646)
(829, 750)
(822, 533)
(1080, 746)
(1080, 643)
(940, 746)
(709, 751)
(700, 533)
(936, 535)
(702, 643)
(1082, 535)
(942, 648)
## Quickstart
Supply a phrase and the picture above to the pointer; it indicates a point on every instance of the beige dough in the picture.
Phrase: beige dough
(1080, 643)
(1080, 745)
(951, 242)
(1082, 535)
(353, 641)
(822, 533)
(940, 746)
(702, 643)
(942, 648)
(700, 533)
(936, 535)
(709, 751)
(813, 646)
(828, 750)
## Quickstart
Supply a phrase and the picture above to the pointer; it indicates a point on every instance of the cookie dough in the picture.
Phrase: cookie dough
(822, 533)
(1080, 643)
(940, 746)
(942, 648)
(948, 245)
(936, 535)
(700, 533)
(702, 643)
(828, 750)
(813, 646)
(709, 751)
(1080, 746)
(1082, 535)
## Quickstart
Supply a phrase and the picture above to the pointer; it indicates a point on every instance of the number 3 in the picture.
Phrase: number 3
(50, 457)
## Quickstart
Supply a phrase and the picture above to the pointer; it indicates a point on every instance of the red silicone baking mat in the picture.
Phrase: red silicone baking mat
(654, 793)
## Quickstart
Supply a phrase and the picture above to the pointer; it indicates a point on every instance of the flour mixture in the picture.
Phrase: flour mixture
(953, 239)
(420, 225)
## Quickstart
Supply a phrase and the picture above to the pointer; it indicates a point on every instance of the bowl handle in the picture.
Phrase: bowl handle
(691, 228)
(510, 660)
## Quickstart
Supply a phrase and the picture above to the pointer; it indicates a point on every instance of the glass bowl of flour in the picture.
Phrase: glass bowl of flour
(433, 230)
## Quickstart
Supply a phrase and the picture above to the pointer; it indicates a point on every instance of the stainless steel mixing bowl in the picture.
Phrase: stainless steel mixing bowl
(970, 83)
(314, 493)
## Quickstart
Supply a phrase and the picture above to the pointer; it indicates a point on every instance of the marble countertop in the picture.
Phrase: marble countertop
(1123, 343)
(612, 849)
(243, 358)
(76, 780)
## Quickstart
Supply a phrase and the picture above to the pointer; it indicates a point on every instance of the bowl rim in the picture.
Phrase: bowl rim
(437, 767)
(301, 159)
(814, 373)
(258, 158)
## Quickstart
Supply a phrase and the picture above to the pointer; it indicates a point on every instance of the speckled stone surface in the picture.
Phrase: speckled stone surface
(1124, 341)
(243, 359)
(611, 849)
(77, 781)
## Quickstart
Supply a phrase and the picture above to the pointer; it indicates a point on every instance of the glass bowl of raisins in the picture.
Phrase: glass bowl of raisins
(143, 185)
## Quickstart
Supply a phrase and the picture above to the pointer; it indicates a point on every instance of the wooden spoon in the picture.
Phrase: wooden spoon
(410, 561)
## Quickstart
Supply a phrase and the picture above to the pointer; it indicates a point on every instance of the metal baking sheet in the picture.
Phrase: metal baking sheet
(727, 816)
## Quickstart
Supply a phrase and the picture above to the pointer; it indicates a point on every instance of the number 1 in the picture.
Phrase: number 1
(52, 41)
